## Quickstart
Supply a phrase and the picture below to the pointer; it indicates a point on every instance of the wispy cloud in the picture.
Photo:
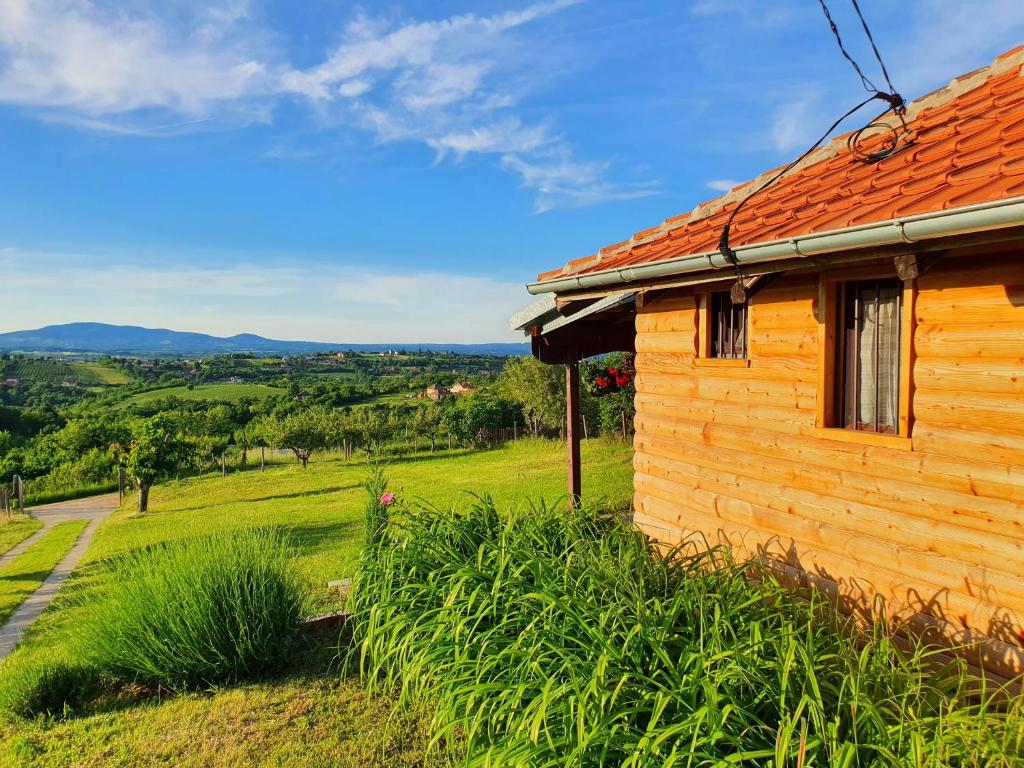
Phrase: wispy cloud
(452, 84)
(74, 56)
(722, 185)
(946, 37)
(773, 14)
(799, 121)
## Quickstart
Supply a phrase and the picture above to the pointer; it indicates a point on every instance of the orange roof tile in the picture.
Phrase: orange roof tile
(966, 147)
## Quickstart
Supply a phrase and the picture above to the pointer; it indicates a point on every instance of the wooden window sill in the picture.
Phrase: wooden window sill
(899, 442)
(722, 362)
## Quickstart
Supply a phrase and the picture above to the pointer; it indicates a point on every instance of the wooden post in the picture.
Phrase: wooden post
(120, 484)
(223, 464)
(19, 493)
(3, 503)
(515, 429)
(624, 435)
(263, 457)
(583, 418)
(572, 431)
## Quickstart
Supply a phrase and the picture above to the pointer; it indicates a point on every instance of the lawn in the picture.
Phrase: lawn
(311, 718)
(228, 393)
(26, 573)
(19, 528)
(103, 374)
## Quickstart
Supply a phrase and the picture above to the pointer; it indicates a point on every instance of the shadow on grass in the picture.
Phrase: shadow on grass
(256, 500)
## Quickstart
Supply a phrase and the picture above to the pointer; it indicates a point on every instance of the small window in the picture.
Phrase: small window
(728, 323)
(867, 397)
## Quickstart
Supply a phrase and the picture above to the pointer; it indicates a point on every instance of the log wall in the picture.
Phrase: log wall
(934, 523)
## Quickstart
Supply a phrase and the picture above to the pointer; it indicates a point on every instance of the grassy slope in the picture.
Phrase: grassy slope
(309, 720)
(102, 373)
(26, 573)
(230, 393)
(17, 530)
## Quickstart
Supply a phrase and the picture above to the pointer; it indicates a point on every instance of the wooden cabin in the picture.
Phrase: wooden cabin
(845, 398)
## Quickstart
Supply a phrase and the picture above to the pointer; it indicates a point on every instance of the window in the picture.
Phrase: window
(728, 327)
(869, 349)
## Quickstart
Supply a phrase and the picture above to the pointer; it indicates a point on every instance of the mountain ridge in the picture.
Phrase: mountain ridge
(134, 340)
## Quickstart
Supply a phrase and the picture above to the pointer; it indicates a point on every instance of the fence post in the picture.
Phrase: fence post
(263, 457)
(19, 491)
(3, 502)
(120, 484)
(223, 464)
(515, 429)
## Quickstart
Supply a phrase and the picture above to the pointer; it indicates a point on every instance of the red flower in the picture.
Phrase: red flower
(602, 382)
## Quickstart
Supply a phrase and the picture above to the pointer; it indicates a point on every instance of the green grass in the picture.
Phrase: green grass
(16, 531)
(102, 374)
(562, 638)
(393, 398)
(229, 393)
(306, 721)
(229, 607)
(26, 573)
(52, 371)
(311, 719)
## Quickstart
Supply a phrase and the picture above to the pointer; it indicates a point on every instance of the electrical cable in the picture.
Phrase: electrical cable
(888, 148)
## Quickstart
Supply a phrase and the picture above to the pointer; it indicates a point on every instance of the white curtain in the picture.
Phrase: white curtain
(878, 374)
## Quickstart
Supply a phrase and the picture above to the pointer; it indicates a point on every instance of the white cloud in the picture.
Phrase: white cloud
(752, 12)
(561, 181)
(72, 55)
(310, 301)
(797, 123)
(451, 84)
(948, 36)
(722, 185)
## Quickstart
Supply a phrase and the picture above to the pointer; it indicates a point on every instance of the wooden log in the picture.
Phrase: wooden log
(983, 517)
(991, 375)
(679, 343)
(975, 478)
(667, 322)
(861, 578)
(933, 536)
(970, 341)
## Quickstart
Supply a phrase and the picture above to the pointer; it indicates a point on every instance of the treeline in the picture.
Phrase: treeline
(82, 448)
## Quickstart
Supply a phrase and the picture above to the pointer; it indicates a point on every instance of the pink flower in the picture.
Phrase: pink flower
(387, 499)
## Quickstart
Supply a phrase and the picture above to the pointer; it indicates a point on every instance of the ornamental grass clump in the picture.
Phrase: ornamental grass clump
(197, 612)
(563, 639)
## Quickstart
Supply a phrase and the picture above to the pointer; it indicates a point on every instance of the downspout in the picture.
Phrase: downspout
(960, 221)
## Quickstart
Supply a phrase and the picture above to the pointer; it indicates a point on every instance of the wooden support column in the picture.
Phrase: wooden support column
(572, 432)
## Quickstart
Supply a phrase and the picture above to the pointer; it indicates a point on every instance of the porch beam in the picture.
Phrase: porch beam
(572, 432)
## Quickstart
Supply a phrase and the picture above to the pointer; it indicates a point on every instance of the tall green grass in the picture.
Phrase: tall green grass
(564, 639)
(196, 612)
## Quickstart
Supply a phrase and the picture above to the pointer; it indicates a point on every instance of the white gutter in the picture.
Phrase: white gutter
(911, 229)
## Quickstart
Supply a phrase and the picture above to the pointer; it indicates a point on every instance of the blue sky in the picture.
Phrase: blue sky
(396, 171)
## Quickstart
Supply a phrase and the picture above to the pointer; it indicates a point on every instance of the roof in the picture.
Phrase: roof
(966, 147)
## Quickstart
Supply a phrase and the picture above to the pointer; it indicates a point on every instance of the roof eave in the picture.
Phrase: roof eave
(998, 214)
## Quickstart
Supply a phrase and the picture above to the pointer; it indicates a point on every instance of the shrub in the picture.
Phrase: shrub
(46, 688)
(565, 639)
(196, 612)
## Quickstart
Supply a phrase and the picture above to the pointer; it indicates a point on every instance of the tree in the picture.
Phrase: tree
(538, 388)
(427, 422)
(157, 449)
(302, 432)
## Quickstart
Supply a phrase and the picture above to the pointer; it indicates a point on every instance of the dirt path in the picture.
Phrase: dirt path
(93, 509)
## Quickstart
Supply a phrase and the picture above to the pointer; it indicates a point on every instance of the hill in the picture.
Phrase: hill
(101, 338)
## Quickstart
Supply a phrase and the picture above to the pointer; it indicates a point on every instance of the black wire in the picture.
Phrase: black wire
(723, 240)
(878, 56)
(891, 97)
(868, 85)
